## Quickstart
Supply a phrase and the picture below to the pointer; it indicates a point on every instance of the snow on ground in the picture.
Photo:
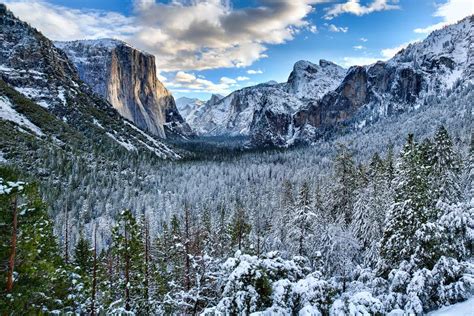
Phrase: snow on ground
(158, 145)
(9, 114)
(126, 145)
(2, 158)
(465, 308)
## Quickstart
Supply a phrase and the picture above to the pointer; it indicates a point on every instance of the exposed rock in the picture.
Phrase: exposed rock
(251, 110)
(127, 78)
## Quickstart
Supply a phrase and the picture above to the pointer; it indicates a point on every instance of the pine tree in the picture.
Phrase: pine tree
(281, 216)
(239, 229)
(445, 176)
(36, 279)
(369, 210)
(346, 185)
(302, 223)
(83, 255)
(127, 247)
(409, 211)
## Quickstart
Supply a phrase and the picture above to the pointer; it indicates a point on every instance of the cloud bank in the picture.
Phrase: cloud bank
(183, 34)
(450, 12)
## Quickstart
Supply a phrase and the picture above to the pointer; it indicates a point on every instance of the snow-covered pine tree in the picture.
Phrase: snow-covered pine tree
(369, 210)
(346, 185)
(409, 211)
(301, 224)
(282, 216)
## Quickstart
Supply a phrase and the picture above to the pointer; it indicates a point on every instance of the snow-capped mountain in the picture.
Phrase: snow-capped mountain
(127, 78)
(413, 78)
(40, 84)
(319, 98)
(244, 111)
(187, 107)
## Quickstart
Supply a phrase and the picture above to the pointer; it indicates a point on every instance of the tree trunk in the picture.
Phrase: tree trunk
(94, 273)
(127, 271)
(11, 259)
(66, 236)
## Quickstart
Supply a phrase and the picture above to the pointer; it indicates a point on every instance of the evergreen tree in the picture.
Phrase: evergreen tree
(128, 249)
(239, 229)
(409, 211)
(36, 279)
(83, 255)
(369, 210)
(301, 223)
(346, 185)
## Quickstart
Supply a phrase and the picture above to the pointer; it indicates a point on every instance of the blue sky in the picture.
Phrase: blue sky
(217, 46)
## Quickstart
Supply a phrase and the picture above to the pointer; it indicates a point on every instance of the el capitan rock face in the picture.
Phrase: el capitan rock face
(127, 78)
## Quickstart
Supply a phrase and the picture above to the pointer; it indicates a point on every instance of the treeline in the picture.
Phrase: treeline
(395, 233)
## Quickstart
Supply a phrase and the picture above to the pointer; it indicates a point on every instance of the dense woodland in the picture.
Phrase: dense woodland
(391, 232)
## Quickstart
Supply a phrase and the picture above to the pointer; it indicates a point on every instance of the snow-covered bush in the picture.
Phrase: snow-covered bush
(362, 303)
(272, 285)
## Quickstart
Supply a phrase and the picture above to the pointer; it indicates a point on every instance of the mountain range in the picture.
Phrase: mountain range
(318, 98)
(106, 89)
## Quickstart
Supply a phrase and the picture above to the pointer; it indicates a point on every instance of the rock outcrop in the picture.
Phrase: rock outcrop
(266, 109)
(127, 78)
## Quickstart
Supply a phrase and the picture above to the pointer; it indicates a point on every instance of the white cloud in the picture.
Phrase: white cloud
(242, 78)
(183, 34)
(337, 29)
(61, 23)
(354, 7)
(358, 61)
(363, 39)
(388, 53)
(313, 29)
(358, 47)
(254, 72)
(450, 12)
(228, 81)
(186, 82)
(385, 54)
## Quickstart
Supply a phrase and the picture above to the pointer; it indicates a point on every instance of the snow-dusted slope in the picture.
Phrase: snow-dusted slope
(187, 107)
(244, 111)
(36, 69)
(310, 81)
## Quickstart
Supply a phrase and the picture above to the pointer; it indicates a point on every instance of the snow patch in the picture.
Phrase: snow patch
(2, 158)
(9, 114)
(124, 144)
(465, 308)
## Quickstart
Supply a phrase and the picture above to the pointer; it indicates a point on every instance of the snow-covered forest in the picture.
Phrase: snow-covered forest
(337, 192)
(391, 233)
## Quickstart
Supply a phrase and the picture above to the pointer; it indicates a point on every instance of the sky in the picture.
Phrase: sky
(206, 47)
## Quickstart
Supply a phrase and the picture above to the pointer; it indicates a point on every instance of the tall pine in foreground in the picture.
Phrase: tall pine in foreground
(345, 186)
(129, 274)
(409, 210)
(36, 280)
